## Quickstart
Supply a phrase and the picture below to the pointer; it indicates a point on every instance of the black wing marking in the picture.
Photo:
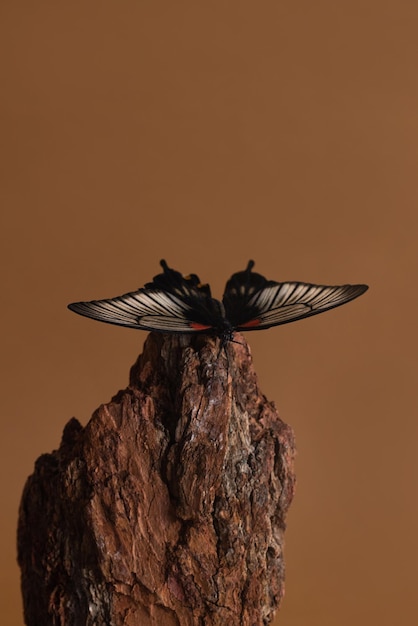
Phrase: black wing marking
(253, 303)
(171, 303)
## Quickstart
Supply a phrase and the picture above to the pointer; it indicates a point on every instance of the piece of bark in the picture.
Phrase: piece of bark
(168, 508)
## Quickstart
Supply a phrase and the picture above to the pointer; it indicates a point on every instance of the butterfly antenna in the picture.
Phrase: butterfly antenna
(238, 342)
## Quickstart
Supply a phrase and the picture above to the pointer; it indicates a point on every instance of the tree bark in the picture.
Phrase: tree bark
(169, 507)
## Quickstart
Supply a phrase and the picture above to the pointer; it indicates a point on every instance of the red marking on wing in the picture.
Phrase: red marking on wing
(198, 326)
(250, 324)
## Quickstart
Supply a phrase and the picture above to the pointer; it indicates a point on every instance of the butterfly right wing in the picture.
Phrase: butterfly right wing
(171, 303)
(253, 303)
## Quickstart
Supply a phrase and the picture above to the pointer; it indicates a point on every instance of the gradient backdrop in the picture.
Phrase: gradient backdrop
(209, 133)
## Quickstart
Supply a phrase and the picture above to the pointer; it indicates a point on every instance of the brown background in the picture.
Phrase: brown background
(209, 133)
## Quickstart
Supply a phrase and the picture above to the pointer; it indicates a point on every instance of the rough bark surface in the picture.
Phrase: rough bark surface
(168, 508)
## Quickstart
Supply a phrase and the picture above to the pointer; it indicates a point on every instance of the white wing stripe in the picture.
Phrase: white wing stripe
(287, 302)
(149, 310)
(293, 293)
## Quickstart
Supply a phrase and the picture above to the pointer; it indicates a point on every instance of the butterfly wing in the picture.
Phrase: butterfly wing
(171, 303)
(253, 303)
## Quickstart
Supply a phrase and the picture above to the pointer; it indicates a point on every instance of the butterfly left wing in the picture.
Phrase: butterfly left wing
(171, 303)
(253, 303)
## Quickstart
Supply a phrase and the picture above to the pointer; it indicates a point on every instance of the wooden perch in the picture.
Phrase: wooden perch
(168, 508)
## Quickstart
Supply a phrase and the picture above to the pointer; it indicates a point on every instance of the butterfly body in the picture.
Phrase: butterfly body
(173, 303)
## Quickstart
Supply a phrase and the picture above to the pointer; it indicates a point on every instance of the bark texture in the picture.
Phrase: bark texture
(168, 508)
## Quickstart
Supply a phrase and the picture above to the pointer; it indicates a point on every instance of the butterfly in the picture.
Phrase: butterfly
(173, 303)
